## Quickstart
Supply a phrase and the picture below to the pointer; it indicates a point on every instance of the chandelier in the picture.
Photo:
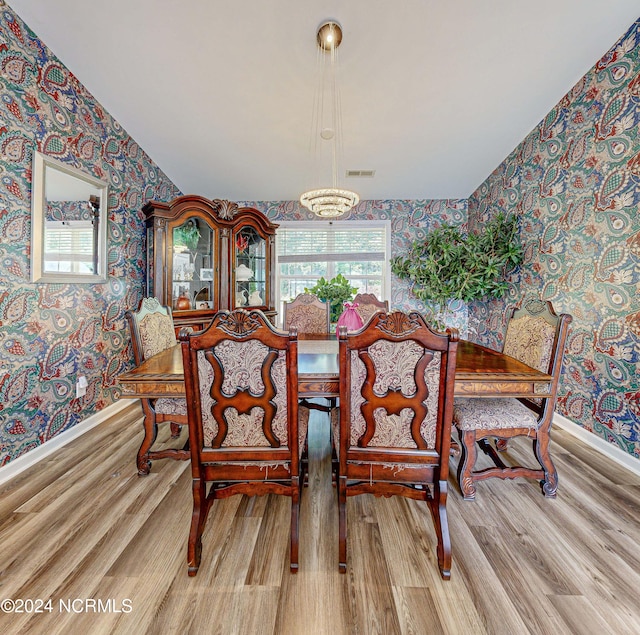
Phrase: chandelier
(329, 202)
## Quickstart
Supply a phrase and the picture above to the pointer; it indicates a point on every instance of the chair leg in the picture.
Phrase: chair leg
(342, 524)
(198, 519)
(150, 433)
(304, 464)
(466, 464)
(541, 450)
(295, 522)
(335, 464)
(439, 509)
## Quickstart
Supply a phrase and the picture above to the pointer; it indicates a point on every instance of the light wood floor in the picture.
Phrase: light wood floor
(82, 526)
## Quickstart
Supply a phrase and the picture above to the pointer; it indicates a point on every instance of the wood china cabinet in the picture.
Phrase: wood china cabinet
(205, 255)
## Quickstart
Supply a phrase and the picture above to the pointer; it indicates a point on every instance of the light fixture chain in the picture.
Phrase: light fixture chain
(329, 202)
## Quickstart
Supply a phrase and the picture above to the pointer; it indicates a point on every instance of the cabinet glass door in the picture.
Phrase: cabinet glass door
(191, 272)
(250, 268)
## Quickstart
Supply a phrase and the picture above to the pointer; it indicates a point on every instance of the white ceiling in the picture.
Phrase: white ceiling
(434, 93)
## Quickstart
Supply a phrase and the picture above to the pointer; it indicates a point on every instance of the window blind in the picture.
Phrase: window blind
(307, 252)
(331, 244)
(68, 246)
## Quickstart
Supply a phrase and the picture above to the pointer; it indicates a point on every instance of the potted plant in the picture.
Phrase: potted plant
(336, 291)
(452, 265)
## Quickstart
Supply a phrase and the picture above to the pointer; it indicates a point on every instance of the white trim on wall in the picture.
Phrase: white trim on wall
(597, 443)
(13, 468)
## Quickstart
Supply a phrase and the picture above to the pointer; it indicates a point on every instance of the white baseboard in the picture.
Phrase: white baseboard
(612, 451)
(13, 468)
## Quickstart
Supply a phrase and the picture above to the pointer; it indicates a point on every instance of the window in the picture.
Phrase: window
(69, 247)
(359, 250)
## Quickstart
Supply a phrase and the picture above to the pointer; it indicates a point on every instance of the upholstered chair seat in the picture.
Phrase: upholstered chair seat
(171, 406)
(490, 414)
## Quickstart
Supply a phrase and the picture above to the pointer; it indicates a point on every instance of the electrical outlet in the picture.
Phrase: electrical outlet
(81, 386)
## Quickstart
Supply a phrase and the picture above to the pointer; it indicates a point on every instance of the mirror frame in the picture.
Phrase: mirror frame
(41, 163)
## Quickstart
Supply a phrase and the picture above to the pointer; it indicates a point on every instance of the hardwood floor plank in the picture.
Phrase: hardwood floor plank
(411, 555)
(179, 609)
(272, 543)
(504, 552)
(58, 527)
(368, 579)
(586, 616)
(82, 525)
(544, 563)
(318, 507)
(592, 462)
(246, 610)
(314, 602)
(484, 592)
(27, 484)
(416, 611)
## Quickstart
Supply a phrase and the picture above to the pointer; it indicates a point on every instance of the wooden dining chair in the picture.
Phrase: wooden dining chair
(536, 336)
(393, 432)
(152, 331)
(308, 314)
(247, 432)
(368, 304)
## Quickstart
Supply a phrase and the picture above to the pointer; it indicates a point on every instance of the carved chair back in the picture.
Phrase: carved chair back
(368, 304)
(151, 329)
(308, 314)
(535, 335)
(246, 430)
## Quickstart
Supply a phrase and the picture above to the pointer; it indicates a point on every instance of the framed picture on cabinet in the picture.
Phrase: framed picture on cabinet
(206, 274)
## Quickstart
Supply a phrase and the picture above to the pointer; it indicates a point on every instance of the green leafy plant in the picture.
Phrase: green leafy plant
(451, 265)
(336, 291)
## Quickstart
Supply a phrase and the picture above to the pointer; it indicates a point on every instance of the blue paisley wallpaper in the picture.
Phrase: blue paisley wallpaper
(51, 333)
(575, 183)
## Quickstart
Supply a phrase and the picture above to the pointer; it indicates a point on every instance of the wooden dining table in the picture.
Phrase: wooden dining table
(480, 372)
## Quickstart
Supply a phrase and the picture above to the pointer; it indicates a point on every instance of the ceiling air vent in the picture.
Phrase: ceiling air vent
(361, 173)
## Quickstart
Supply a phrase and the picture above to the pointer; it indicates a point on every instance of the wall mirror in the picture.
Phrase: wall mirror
(68, 223)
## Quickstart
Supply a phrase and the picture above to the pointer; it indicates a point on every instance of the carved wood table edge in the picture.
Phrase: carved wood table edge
(480, 372)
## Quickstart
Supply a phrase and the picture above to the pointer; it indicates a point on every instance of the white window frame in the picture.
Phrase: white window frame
(359, 225)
